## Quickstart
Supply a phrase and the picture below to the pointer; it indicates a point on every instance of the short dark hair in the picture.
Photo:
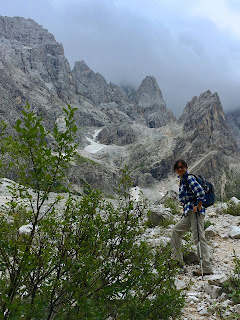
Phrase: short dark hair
(180, 161)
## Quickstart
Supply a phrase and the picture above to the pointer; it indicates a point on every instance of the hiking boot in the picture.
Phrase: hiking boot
(198, 273)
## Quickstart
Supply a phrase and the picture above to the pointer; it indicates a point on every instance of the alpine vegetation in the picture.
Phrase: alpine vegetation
(64, 256)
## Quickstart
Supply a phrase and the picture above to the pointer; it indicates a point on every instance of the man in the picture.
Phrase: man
(192, 195)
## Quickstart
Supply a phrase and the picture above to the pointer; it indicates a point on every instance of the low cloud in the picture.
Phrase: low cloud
(182, 47)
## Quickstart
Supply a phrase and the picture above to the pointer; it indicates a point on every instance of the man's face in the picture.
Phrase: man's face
(181, 169)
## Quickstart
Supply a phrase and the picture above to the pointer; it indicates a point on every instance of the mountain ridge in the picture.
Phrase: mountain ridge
(143, 132)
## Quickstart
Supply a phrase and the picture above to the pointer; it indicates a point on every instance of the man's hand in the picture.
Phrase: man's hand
(198, 207)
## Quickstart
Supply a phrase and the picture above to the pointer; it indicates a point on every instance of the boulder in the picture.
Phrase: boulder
(213, 291)
(210, 232)
(234, 232)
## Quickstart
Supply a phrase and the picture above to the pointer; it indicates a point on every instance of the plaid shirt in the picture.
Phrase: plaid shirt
(190, 196)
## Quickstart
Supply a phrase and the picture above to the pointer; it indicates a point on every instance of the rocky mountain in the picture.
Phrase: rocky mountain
(126, 126)
(150, 104)
(233, 119)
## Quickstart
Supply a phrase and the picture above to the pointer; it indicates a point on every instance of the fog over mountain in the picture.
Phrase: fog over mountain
(185, 46)
(135, 128)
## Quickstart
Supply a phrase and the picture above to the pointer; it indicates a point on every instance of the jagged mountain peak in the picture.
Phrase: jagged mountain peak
(151, 105)
(198, 107)
(205, 126)
(34, 69)
(82, 66)
(149, 85)
(26, 31)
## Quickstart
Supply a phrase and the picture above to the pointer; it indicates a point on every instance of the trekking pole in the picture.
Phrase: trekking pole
(199, 246)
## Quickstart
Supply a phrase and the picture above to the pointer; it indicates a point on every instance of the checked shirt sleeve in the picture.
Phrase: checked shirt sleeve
(196, 188)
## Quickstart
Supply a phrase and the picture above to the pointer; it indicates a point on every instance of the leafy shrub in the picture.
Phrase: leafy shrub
(232, 285)
(84, 261)
(166, 222)
(208, 223)
(232, 208)
(170, 203)
(188, 247)
(149, 224)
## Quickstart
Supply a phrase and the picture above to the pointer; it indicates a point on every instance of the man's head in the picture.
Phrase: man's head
(180, 166)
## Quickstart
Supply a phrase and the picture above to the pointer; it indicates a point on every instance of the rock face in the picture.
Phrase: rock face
(121, 134)
(94, 86)
(136, 125)
(207, 142)
(233, 119)
(34, 69)
(205, 124)
(150, 104)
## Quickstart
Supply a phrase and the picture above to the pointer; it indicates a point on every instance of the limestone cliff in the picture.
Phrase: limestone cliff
(136, 125)
(233, 119)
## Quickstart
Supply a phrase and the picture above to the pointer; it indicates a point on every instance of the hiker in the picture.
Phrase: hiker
(191, 194)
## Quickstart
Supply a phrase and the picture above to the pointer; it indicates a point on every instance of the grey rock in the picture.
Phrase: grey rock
(210, 232)
(217, 279)
(145, 179)
(237, 308)
(180, 284)
(213, 291)
(233, 119)
(204, 312)
(121, 134)
(94, 86)
(190, 257)
(222, 297)
(157, 214)
(234, 232)
(171, 194)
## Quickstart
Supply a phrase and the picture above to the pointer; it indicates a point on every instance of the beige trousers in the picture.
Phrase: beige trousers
(182, 227)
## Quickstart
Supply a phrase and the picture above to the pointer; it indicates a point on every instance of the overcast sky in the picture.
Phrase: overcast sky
(189, 46)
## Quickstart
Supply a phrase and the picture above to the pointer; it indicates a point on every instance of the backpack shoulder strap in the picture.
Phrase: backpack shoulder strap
(185, 180)
(187, 183)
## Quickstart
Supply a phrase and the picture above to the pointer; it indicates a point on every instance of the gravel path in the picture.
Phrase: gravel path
(202, 302)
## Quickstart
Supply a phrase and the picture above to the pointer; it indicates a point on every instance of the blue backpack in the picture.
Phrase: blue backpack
(208, 189)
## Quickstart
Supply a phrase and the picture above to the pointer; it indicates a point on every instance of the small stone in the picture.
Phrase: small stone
(224, 236)
(237, 308)
(192, 294)
(180, 284)
(204, 312)
(226, 303)
(222, 297)
(234, 200)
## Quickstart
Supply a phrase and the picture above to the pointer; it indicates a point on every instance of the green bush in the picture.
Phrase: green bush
(232, 208)
(84, 261)
(208, 223)
(188, 246)
(232, 285)
(170, 203)
(166, 222)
